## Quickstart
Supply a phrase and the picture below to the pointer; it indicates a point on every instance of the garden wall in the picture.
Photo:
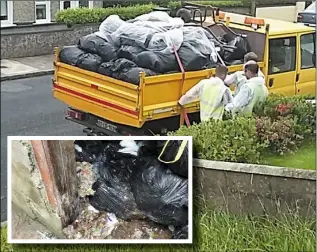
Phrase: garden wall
(48, 192)
(256, 189)
(38, 40)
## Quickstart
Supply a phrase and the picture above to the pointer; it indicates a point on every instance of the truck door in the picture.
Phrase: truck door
(282, 65)
(306, 65)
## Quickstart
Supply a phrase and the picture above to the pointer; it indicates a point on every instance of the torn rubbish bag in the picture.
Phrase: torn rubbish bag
(161, 195)
(87, 151)
(175, 154)
(112, 189)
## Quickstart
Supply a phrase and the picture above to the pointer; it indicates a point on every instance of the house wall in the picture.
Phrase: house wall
(285, 13)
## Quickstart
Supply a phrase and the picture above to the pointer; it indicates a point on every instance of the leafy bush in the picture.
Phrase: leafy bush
(279, 134)
(231, 140)
(302, 112)
(97, 15)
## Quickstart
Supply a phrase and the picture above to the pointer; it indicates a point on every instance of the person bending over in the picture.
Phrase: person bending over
(213, 95)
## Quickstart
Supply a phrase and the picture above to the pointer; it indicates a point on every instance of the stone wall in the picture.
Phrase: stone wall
(40, 39)
(28, 191)
(238, 188)
(256, 189)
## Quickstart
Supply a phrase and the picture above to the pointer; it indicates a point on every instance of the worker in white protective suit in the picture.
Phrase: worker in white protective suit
(251, 93)
(213, 95)
(238, 78)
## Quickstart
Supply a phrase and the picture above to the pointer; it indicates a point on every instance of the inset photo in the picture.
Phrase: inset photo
(100, 189)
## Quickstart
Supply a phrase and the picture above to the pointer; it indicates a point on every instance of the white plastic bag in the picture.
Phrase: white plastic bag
(109, 25)
(165, 41)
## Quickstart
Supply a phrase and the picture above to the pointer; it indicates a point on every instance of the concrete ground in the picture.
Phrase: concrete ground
(29, 109)
(26, 67)
(23, 227)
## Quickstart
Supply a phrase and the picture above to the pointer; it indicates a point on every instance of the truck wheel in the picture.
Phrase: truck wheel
(184, 14)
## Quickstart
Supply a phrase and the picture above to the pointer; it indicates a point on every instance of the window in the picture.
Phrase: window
(308, 50)
(83, 3)
(68, 4)
(282, 55)
(42, 12)
(75, 4)
(6, 13)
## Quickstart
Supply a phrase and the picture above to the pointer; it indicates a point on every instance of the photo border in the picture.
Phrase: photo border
(101, 241)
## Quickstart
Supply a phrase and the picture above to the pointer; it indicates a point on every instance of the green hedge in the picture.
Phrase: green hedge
(279, 126)
(97, 15)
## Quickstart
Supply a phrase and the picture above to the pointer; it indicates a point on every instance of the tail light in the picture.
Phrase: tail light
(75, 114)
(299, 18)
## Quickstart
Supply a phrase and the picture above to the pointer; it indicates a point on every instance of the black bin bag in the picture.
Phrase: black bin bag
(241, 48)
(191, 58)
(112, 189)
(89, 61)
(161, 195)
(96, 45)
(180, 233)
(157, 62)
(70, 55)
(88, 151)
(133, 75)
(175, 154)
(151, 148)
(105, 69)
(129, 52)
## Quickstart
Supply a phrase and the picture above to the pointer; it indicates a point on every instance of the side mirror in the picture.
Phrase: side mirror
(314, 59)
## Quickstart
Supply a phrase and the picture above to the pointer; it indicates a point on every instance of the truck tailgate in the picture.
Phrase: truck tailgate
(97, 94)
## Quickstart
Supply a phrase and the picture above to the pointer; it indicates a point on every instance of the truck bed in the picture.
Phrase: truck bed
(155, 98)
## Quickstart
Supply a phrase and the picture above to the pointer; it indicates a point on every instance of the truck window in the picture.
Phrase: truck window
(282, 55)
(308, 50)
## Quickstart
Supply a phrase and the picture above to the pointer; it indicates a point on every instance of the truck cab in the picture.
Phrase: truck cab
(106, 106)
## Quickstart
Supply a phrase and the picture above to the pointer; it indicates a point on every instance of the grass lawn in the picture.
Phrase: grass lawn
(304, 158)
(216, 232)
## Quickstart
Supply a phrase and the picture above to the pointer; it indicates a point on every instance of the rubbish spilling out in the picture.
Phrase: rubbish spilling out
(131, 190)
(149, 43)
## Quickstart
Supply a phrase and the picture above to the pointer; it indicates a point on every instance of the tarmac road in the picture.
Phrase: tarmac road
(29, 109)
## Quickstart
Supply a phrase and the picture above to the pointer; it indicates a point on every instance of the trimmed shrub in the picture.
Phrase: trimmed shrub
(303, 113)
(97, 15)
(231, 140)
(279, 134)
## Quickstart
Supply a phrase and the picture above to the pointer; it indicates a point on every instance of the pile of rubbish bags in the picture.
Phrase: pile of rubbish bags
(123, 49)
(139, 180)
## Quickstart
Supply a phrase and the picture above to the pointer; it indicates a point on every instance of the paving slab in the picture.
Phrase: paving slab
(26, 67)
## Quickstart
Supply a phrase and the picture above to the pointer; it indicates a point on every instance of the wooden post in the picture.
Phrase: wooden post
(56, 161)
(253, 8)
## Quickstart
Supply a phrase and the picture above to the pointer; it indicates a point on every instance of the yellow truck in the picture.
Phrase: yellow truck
(106, 106)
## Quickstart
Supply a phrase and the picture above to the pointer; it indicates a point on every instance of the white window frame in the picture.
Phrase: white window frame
(48, 12)
(75, 4)
(9, 21)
